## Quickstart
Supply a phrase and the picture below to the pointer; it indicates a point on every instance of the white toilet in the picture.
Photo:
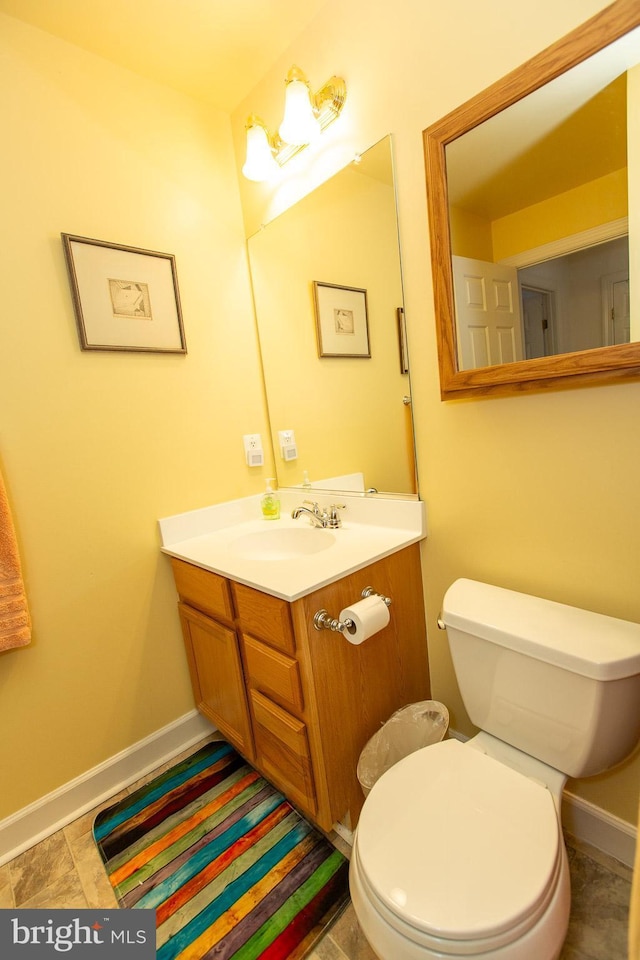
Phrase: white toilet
(459, 850)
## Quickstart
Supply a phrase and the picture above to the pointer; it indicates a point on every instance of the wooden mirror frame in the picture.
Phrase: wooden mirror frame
(584, 367)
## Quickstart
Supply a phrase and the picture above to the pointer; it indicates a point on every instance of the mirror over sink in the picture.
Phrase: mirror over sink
(327, 287)
(534, 216)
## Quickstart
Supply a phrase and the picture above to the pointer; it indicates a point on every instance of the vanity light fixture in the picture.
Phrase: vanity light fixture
(306, 115)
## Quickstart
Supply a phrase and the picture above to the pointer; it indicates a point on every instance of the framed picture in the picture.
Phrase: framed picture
(124, 298)
(402, 340)
(341, 319)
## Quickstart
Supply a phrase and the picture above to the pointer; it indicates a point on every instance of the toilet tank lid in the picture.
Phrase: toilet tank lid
(591, 644)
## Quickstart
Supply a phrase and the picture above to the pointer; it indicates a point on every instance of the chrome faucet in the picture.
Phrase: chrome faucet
(327, 517)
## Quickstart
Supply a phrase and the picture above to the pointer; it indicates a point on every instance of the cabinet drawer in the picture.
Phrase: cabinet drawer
(274, 673)
(282, 749)
(203, 589)
(265, 616)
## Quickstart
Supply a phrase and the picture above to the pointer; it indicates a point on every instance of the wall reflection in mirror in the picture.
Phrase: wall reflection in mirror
(349, 414)
(538, 199)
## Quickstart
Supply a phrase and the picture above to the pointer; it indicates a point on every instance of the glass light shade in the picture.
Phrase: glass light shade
(260, 163)
(299, 125)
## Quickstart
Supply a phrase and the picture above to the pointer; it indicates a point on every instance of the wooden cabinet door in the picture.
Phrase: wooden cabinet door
(217, 677)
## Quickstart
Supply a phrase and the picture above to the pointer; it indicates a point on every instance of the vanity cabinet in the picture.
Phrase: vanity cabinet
(299, 703)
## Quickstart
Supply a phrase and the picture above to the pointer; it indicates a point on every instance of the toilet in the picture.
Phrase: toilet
(459, 851)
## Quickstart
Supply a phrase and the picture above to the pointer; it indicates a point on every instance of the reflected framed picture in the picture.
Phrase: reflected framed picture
(341, 320)
(124, 298)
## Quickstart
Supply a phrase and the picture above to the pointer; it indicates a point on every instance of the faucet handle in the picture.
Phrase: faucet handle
(334, 518)
(314, 506)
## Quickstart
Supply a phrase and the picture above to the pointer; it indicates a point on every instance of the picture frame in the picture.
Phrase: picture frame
(124, 298)
(402, 340)
(342, 320)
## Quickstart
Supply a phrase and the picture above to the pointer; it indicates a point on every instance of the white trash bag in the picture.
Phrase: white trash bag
(407, 730)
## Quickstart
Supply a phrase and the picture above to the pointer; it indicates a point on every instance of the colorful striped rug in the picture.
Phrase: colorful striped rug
(230, 867)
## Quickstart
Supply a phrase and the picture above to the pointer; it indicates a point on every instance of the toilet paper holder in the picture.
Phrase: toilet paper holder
(323, 621)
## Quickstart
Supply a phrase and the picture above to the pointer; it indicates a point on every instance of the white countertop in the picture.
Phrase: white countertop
(372, 528)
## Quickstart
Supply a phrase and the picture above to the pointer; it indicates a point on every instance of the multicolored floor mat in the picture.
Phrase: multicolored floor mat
(230, 867)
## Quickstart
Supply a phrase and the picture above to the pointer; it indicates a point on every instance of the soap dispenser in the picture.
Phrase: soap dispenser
(270, 502)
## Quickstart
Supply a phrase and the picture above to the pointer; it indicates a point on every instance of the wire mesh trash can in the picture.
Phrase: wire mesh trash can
(412, 727)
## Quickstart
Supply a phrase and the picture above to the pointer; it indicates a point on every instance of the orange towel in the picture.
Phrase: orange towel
(15, 622)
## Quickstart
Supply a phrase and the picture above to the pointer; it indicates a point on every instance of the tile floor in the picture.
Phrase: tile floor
(65, 870)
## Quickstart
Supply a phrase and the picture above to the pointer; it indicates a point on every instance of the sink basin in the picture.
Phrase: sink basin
(289, 543)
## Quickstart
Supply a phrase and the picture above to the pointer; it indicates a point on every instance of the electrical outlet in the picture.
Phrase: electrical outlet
(253, 449)
(287, 441)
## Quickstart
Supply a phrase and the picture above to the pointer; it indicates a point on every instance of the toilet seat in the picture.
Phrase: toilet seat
(455, 846)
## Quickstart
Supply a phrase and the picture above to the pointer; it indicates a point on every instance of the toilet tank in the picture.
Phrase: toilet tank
(559, 683)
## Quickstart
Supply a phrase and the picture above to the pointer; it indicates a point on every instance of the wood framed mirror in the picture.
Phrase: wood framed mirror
(609, 43)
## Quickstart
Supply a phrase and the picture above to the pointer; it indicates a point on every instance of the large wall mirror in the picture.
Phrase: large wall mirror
(327, 287)
(534, 212)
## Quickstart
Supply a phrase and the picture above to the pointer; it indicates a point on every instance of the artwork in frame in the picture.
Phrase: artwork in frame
(342, 321)
(124, 298)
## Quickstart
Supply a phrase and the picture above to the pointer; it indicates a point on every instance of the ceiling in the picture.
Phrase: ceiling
(219, 50)
(215, 50)
(563, 153)
(568, 132)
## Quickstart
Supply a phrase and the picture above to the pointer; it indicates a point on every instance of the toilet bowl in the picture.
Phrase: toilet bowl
(459, 851)
(458, 855)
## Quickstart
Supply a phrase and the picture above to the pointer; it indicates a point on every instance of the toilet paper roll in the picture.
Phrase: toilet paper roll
(368, 617)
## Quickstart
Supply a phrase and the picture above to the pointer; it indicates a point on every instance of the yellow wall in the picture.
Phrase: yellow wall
(574, 211)
(537, 493)
(470, 235)
(95, 447)
(589, 205)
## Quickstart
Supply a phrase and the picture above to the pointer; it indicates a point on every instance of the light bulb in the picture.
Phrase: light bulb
(260, 163)
(300, 125)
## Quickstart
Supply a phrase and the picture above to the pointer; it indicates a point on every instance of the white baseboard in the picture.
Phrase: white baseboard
(50, 813)
(26, 827)
(344, 832)
(591, 824)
